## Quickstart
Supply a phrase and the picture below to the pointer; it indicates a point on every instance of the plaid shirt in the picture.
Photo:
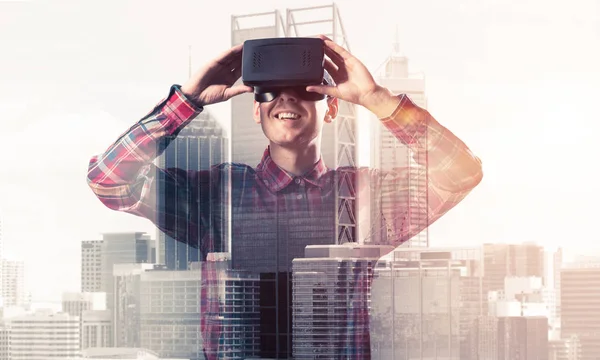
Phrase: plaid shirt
(124, 178)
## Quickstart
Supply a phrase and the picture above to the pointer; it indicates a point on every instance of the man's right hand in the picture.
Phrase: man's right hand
(213, 83)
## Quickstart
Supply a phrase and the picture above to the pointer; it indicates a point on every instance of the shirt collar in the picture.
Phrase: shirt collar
(275, 178)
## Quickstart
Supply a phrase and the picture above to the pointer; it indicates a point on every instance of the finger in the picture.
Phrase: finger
(324, 90)
(332, 69)
(226, 57)
(334, 57)
(237, 90)
(330, 46)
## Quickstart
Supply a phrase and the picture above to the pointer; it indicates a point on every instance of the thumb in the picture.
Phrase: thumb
(324, 90)
(237, 90)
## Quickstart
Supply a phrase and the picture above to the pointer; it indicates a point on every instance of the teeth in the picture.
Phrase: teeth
(287, 116)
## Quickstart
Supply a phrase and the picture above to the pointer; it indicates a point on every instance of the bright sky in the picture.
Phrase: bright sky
(517, 80)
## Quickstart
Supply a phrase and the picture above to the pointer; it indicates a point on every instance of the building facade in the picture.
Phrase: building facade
(202, 144)
(580, 308)
(389, 154)
(91, 265)
(13, 283)
(44, 335)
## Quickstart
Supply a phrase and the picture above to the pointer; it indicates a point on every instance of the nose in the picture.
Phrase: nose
(288, 95)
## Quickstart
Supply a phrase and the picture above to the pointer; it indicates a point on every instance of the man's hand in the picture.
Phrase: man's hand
(354, 82)
(213, 83)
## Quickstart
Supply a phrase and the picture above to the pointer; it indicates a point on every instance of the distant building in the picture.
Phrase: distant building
(13, 283)
(123, 248)
(428, 298)
(96, 329)
(75, 303)
(127, 298)
(512, 337)
(170, 312)
(5, 340)
(580, 307)
(388, 154)
(91, 266)
(331, 300)
(510, 260)
(44, 335)
(201, 145)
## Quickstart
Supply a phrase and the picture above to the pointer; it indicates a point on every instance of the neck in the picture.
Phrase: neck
(296, 161)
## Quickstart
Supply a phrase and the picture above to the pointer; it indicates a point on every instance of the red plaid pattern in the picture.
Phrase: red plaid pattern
(124, 179)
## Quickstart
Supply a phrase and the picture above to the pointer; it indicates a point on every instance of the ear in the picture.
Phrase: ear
(256, 112)
(332, 109)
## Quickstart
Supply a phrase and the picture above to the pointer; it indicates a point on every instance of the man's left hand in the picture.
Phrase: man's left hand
(354, 82)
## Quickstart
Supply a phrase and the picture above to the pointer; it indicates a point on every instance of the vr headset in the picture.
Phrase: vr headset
(272, 64)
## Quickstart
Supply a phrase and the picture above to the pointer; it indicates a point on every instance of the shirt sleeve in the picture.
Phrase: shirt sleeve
(441, 172)
(124, 177)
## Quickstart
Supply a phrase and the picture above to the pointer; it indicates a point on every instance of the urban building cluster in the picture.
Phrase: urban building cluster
(141, 296)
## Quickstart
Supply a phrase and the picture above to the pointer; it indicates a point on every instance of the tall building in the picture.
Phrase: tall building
(241, 313)
(338, 139)
(557, 266)
(427, 299)
(510, 260)
(13, 283)
(127, 297)
(580, 307)
(170, 312)
(75, 304)
(331, 300)
(91, 266)
(522, 337)
(266, 244)
(388, 153)
(202, 144)
(44, 335)
(123, 248)
(512, 337)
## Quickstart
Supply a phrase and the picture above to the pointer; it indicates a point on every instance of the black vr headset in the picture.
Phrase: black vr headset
(270, 65)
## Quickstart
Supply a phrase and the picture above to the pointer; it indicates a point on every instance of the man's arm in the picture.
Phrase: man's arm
(445, 164)
(443, 174)
(124, 177)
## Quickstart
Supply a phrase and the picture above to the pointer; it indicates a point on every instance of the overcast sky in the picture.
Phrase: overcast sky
(517, 80)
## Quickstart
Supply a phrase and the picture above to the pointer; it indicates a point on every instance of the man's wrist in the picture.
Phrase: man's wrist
(382, 102)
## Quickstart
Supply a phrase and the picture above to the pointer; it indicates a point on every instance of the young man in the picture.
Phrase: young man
(288, 200)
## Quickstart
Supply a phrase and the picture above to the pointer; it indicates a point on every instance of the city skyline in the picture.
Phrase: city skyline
(55, 215)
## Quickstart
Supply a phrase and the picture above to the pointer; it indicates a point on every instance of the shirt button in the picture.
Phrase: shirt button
(299, 196)
(298, 181)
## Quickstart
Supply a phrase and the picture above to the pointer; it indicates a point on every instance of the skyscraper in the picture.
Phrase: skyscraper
(127, 298)
(580, 307)
(557, 266)
(389, 153)
(170, 312)
(424, 302)
(338, 139)
(91, 266)
(331, 300)
(13, 283)
(123, 248)
(200, 145)
(511, 260)
(266, 244)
